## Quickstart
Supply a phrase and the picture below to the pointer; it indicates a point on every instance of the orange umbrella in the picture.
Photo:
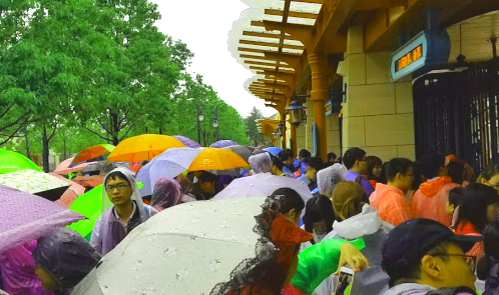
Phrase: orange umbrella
(63, 167)
(143, 148)
(70, 195)
(93, 152)
(217, 159)
(93, 181)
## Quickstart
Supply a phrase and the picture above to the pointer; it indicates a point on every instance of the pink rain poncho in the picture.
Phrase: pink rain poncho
(431, 199)
(18, 271)
(261, 163)
(167, 193)
(109, 231)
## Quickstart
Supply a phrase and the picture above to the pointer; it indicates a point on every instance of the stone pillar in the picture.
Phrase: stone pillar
(378, 114)
(333, 134)
(319, 95)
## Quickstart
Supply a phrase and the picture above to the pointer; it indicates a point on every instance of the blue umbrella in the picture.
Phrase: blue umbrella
(274, 151)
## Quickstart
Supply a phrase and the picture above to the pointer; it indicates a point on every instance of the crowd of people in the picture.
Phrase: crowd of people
(406, 228)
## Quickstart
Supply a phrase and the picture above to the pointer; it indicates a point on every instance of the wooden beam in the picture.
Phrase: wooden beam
(266, 35)
(266, 69)
(272, 81)
(378, 4)
(259, 63)
(257, 43)
(291, 13)
(310, 1)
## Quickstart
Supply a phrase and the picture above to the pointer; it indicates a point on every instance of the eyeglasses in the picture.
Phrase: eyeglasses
(120, 187)
(469, 259)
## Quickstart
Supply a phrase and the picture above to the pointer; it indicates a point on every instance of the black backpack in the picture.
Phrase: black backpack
(452, 291)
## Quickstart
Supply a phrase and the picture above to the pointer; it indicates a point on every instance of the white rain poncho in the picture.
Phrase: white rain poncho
(327, 178)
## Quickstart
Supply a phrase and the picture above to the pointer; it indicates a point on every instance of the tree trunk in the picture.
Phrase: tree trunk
(114, 127)
(45, 151)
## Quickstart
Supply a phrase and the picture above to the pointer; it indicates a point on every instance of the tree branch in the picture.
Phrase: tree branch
(125, 134)
(102, 125)
(7, 110)
(122, 120)
(14, 132)
(17, 121)
(90, 130)
(53, 131)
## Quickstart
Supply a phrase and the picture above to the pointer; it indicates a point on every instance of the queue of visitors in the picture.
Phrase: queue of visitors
(406, 228)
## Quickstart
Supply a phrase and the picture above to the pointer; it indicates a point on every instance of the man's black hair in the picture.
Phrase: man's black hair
(352, 155)
(116, 174)
(303, 153)
(430, 165)
(397, 165)
(286, 155)
(316, 163)
(331, 156)
(278, 163)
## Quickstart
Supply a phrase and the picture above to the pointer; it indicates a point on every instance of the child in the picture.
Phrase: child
(452, 206)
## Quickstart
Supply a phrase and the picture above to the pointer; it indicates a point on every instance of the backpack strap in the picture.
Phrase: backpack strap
(452, 291)
(358, 180)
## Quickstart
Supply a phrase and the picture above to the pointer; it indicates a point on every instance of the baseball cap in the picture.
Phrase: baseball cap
(408, 242)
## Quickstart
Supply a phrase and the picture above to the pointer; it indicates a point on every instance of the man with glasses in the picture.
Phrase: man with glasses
(122, 210)
(422, 255)
(355, 161)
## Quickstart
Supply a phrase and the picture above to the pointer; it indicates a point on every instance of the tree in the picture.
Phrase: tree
(254, 136)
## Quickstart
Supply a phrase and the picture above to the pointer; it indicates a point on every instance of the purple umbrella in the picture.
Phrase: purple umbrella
(223, 144)
(25, 217)
(188, 142)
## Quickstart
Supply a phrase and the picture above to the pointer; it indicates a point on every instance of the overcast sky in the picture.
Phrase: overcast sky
(204, 26)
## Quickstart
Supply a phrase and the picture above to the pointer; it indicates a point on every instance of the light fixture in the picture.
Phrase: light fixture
(215, 123)
(298, 113)
(280, 129)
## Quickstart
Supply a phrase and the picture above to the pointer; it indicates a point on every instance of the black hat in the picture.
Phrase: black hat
(408, 242)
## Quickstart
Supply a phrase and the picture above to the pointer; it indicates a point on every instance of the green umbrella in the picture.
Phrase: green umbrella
(89, 205)
(12, 161)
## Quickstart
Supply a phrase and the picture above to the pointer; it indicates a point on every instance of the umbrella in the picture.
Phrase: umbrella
(223, 143)
(169, 164)
(63, 167)
(243, 151)
(274, 151)
(143, 148)
(92, 168)
(35, 182)
(71, 193)
(12, 161)
(93, 152)
(187, 141)
(93, 180)
(89, 205)
(25, 217)
(217, 159)
(214, 237)
(262, 185)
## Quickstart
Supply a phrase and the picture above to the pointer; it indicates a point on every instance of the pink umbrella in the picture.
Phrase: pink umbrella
(25, 217)
(63, 167)
(70, 195)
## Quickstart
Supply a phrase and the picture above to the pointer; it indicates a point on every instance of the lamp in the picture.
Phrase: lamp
(298, 113)
(280, 129)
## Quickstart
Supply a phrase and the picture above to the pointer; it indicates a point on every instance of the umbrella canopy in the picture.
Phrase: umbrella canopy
(63, 167)
(217, 159)
(12, 161)
(93, 152)
(70, 195)
(143, 148)
(35, 182)
(89, 205)
(243, 151)
(92, 168)
(223, 143)
(169, 164)
(213, 237)
(187, 141)
(274, 151)
(262, 185)
(25, 217)
(93, 181)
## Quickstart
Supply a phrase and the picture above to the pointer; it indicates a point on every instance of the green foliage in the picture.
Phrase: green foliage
(254, 136)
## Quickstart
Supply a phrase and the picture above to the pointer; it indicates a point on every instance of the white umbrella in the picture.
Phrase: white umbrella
(169, 164)
(262, 185)
(35, 182)
(186, 249)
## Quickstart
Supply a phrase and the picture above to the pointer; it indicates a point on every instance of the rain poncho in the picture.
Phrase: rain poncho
(67, 256)
(261, 163)
(109, 231)
(368, 226)
(166, 194)
(327, 178)
(18, 271)
(318, 262)
(431, 198)
(2, 292)
(414, 289)
(391, 204)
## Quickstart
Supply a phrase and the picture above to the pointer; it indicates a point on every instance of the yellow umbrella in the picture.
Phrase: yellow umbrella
(217, 159)
(143, 148)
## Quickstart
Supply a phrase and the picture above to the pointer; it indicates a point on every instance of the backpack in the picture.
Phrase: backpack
(452, 291)
(492, 283)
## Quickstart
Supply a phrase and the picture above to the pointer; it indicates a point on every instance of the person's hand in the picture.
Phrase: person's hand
(353, 257)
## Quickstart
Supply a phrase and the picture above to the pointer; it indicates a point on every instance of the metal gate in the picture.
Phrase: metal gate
(457, 113)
